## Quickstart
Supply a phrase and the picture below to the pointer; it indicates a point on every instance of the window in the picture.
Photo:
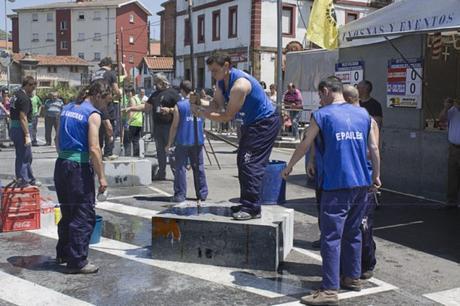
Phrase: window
(131, 59)
(74, 69)
(216, 25)
(131, 18)
(97, 15)
(232, 21)
(52, 70)
(49, 37)
(35, 37)
(97, 36)
(63, 84)
(49, 16)
(351, 16)
(64, 44)
(81, 55)
(131, 40)
(288, 20)
(34, 17)
(186, 32)
(63, 25)
(44, 83)
(97, 56)
(200, 33)
(81, 36)
(81, 16)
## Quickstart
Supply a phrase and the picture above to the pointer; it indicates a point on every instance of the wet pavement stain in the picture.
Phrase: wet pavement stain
(199, 210)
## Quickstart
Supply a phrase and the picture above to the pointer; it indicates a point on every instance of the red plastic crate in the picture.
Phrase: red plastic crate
(17, 200)
(21, 221)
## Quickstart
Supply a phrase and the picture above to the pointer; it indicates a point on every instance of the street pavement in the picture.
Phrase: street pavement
(418, 250)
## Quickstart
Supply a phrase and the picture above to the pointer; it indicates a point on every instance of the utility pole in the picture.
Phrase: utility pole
(279, 58)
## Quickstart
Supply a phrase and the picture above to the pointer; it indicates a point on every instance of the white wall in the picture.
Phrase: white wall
(63, 74)
(267, 68)
(269, 22)
(244, 28)
(106, 25)
(27, 27)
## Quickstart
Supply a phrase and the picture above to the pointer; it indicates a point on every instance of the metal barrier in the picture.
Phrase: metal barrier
(4, 137)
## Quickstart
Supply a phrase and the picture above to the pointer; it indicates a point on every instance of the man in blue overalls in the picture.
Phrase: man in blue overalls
(182, 135)
(260, 127)
(346, 134)
(79, 156)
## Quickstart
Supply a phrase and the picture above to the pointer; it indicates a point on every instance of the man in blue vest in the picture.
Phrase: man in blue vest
(79, 156)
(182, 135)
(345, 130)
(242, 93)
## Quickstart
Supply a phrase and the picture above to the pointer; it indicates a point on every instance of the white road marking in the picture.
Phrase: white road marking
(160, 191)
(231, 277)
(132, 196)
(397, 225)
(22, 292)
(449, 297)
(126, 209)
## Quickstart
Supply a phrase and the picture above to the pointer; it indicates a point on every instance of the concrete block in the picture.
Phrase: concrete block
(128, 171)
(208, 235)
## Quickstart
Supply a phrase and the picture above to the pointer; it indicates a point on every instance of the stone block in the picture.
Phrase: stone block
(128, 171)
(208, 235)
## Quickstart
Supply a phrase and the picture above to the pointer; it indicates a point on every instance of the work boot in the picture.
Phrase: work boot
(321, 297)
(367, 275)
(88, 269)
(349, 283)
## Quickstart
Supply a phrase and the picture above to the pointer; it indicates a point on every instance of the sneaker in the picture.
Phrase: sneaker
(34, 144)
(367, 275)
(321, 297)
(105, 158)
(35, 183)
(236, 208)
(88, 269)
(113, 157)
(316, 244)
(243, 216)
(349, 283)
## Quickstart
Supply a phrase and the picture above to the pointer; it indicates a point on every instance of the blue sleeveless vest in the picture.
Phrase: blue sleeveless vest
(73, 131)
(257, 104)
(185, 135)
(345, 129)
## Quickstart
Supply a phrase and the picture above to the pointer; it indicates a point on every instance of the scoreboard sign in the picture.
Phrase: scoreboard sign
(404, 86)
(350, 73)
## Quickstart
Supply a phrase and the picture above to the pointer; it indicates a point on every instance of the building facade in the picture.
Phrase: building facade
(246, 30)
(154, 64)
(87, 29)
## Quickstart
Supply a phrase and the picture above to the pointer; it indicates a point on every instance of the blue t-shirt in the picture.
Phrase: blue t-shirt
(73, 127)
(345, 130)
(185, 135)
(257, 104)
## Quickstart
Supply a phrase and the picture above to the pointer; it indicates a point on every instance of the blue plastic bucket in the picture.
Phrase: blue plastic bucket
(97, 231)
(273, 185)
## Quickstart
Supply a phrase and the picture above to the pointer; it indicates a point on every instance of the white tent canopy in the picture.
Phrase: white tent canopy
(400, 18)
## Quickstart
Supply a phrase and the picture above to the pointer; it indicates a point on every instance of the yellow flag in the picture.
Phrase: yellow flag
(322, 26)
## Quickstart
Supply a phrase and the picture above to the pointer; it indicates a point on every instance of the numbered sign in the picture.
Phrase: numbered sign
(404, 83)
(350, 72)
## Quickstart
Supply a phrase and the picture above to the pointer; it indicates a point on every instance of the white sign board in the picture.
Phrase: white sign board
(350, 73)
(404, 86)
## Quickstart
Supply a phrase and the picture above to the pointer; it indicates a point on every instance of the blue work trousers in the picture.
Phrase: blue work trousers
(75, 190)
(254, 150)
(195, 155)
(368, 260)
(23, 162)
(342, 212)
